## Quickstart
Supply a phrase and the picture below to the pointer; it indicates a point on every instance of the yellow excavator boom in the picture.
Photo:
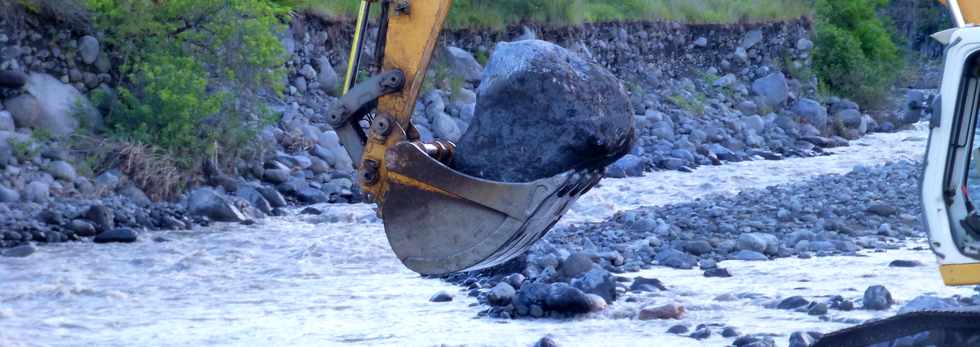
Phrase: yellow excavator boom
(965, 12)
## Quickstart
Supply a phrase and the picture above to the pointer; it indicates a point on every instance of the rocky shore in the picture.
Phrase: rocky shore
(579, 269)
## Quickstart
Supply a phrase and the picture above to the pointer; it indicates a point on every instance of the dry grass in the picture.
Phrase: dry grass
(151, 169)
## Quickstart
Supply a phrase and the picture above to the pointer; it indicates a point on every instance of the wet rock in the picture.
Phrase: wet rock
(751, 242)
(310, 195)
(575, 265)
(701, 333)
(839, 303)
(717, 272)
(501, 294)
(817, 309)
(628, 166)
(729, 332)
(641, 284)
(803, 339)
(668, 311)
(927, 303)
(441, 296)
(750, 256)
(566, 299)
(877, 298)
(311, 211)
(276, 176)
(754, 341)
(275, 199)
(678, 329)
(882, 210)
(120, 235)
(103, 217)
(597, 281)
(21, 251)
(51, 217)
(12, 79)
(546, 341)
(792, 303)
(207, 202)
(254, 198)
(676, 259)
(812, 112)
(574, 112)
(82, 228)
(905, 263)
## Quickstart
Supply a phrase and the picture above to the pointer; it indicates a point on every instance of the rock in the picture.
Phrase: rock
(89, 49)
(839, 303)
(102, 216)
(254, 198)
(37, 191)
(817, 309)
(628, 166)
(725, 81)
(575, 264)
(905, 263)
(668, 311)
(275, 199)
(7, 121)
(882, 210)
(676, 259)
(565, 299)
(849, 118)
(463, 64)
(750, 39)
(597, 281)
(276, 176)
(802, 339)
(61, 170)
(329, 81)
(441, 296)
(207, 202)
(82, 228)
(546, 341)
(877, 298)
(678, 329)
(8, 195)
(53, 106)
(121, 235)
(701, 333)
(792, 303)
(754, 341)
(751, 242)
(717, 272)
(20, 251)
(588, 115)
(310, 195)
(812, 112)
(729, 332)
(445, 127)
(750, 256)
(641, 284)
(501, 295)
(51, 217)
(701, 41)
(12, 79)
(804, 44)
(772, 88)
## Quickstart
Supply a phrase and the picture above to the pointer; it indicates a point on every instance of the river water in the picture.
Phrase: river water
(331, 279)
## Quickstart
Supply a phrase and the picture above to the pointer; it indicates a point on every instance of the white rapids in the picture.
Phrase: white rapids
(331, 279)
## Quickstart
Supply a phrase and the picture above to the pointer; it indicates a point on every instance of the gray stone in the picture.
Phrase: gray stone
(103, 217)
(441, 296)
(676, 259)
(254, 198)
(308, 72)
(8, 195)
(89, 49)
(877, 298)
(754, 123)
(751, 38)
(812, 112)
(641, 284)
(751, 242)
(275, 199)
(52, 105)
(136, 195)
(501, 295)
(575, 264)
(747, 255)
(849, 118)
(37, 191)
(628, 166)
(801, 339)
(792, 303)
(701, 41)
(82, 228)
(599, 282)
(12, 79)
(276, 176)
(207, 202)
(462, 64)
(121, 235)
(927, 303)
(772, 89)
(62, 170)
(565, 299)
(804, 44)
(535, 92)
(329, 81)
(7, 121)
(20, 251)
(445, 127)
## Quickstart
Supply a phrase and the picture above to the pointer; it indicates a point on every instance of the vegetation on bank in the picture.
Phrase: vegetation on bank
(498, 14)
(855, 53)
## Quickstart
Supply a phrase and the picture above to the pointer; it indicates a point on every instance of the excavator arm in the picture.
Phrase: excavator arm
(437, 219)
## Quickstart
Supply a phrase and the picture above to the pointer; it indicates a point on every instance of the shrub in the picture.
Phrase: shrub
(855, 54)
(193, 72)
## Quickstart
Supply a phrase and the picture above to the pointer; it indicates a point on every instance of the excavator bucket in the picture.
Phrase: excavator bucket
(439, 220)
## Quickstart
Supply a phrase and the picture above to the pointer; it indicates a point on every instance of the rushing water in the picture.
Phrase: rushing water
(331, 279)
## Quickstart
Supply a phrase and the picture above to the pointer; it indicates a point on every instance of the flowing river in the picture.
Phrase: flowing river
(331, 279)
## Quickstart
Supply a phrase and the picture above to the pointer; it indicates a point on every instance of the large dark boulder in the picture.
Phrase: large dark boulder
(542, 110)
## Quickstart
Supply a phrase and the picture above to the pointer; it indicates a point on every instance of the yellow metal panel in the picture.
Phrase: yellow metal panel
(412, 36)
(960, 274)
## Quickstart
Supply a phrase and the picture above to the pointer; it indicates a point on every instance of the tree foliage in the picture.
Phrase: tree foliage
(855, 54)
(194, 71)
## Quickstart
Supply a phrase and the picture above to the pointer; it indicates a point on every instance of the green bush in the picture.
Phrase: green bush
(855, 55)
(193, 72)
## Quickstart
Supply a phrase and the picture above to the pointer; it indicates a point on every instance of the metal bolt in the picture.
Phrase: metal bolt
(369, 174)
(402, 7)
(381, 127)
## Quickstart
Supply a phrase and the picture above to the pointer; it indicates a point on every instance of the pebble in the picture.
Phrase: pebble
(122, 235)
(441, 296)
